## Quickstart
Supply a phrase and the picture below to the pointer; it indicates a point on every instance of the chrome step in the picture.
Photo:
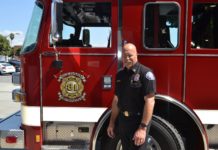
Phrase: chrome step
(66, 147)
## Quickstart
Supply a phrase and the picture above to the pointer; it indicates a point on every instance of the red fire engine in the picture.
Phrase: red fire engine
(72, 51)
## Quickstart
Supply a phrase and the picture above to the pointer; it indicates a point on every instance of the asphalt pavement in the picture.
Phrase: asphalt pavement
(7, 106)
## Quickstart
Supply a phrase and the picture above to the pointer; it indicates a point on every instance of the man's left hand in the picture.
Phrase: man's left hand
(139, 136)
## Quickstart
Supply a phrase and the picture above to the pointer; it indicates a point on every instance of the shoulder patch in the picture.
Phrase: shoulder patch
(150, 76)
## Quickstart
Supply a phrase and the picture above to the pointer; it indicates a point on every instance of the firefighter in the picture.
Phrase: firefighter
(133, 101)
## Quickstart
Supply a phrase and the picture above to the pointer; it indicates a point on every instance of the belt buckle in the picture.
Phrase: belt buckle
(126, 113)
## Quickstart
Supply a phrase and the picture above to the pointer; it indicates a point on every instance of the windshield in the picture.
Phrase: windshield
(33, 29)
(6, 64)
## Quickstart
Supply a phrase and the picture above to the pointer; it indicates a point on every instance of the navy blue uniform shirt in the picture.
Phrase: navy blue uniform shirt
(132, 85)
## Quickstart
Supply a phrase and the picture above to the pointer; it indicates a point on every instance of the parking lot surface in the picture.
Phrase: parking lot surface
(7, 106)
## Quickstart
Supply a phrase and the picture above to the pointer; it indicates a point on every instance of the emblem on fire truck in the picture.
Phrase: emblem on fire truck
(72, 87)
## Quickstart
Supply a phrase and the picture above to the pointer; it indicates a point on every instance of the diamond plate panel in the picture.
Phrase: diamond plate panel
(67, 132)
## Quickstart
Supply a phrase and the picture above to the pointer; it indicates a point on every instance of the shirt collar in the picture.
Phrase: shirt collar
(133, 68)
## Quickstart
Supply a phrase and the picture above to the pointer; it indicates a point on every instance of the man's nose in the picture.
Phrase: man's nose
(127, 57)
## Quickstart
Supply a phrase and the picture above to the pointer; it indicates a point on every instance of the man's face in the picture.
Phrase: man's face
(129, 56)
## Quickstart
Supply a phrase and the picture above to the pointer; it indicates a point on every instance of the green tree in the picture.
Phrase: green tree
(14, 52)
(11, 36)
(18, 52)
(4, 46)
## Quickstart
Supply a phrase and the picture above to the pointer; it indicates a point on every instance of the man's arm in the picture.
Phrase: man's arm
(114, 114)
(148, 109)
(140, 134)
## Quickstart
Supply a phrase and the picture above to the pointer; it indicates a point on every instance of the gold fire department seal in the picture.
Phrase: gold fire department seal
(72, 87)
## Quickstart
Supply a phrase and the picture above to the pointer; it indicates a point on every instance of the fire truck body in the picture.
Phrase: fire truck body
(73, 50)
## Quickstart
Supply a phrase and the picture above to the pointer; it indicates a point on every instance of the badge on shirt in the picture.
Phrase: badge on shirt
(150, 76)
(136, 77)
(135, 81)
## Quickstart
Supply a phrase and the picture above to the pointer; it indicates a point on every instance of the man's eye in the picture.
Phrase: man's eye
(129, 56)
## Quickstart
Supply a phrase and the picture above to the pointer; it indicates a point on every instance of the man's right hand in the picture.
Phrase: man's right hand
(114, 114)
(110, 131)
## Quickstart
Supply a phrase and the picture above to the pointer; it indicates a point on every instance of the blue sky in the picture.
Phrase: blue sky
(14, 18)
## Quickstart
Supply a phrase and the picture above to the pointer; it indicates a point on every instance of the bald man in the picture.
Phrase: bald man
(133, 102)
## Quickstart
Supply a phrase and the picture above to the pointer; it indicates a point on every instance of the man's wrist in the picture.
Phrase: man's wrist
(143, 126)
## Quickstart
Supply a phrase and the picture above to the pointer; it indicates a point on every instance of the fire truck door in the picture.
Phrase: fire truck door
(87, 51)
(202, 56)
(157, 29)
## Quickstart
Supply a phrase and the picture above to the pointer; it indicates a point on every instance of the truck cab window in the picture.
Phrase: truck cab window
(86, 24)
(161, 26)
(204, 25)
(33, 29)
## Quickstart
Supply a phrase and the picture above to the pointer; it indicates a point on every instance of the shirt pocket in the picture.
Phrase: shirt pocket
(136, 84)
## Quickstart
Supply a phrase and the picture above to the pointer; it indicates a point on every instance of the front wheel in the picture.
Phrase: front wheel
(162, 136)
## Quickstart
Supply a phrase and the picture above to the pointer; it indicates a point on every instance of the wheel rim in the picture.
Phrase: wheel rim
(152, 144)
(119, 145)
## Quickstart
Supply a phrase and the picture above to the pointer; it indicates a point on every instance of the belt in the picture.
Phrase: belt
(129, 114)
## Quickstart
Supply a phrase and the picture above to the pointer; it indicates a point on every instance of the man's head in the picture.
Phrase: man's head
(129, 55)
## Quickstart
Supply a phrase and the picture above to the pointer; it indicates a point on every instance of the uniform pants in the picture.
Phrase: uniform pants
(126, 128)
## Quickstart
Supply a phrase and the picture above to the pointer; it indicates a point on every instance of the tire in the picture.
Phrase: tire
(162, 136)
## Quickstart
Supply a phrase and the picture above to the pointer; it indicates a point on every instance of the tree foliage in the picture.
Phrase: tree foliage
(18, 52)
(4, 46)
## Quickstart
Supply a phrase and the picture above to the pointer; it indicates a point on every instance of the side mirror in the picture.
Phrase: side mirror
(86, 37)
(56, 20)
